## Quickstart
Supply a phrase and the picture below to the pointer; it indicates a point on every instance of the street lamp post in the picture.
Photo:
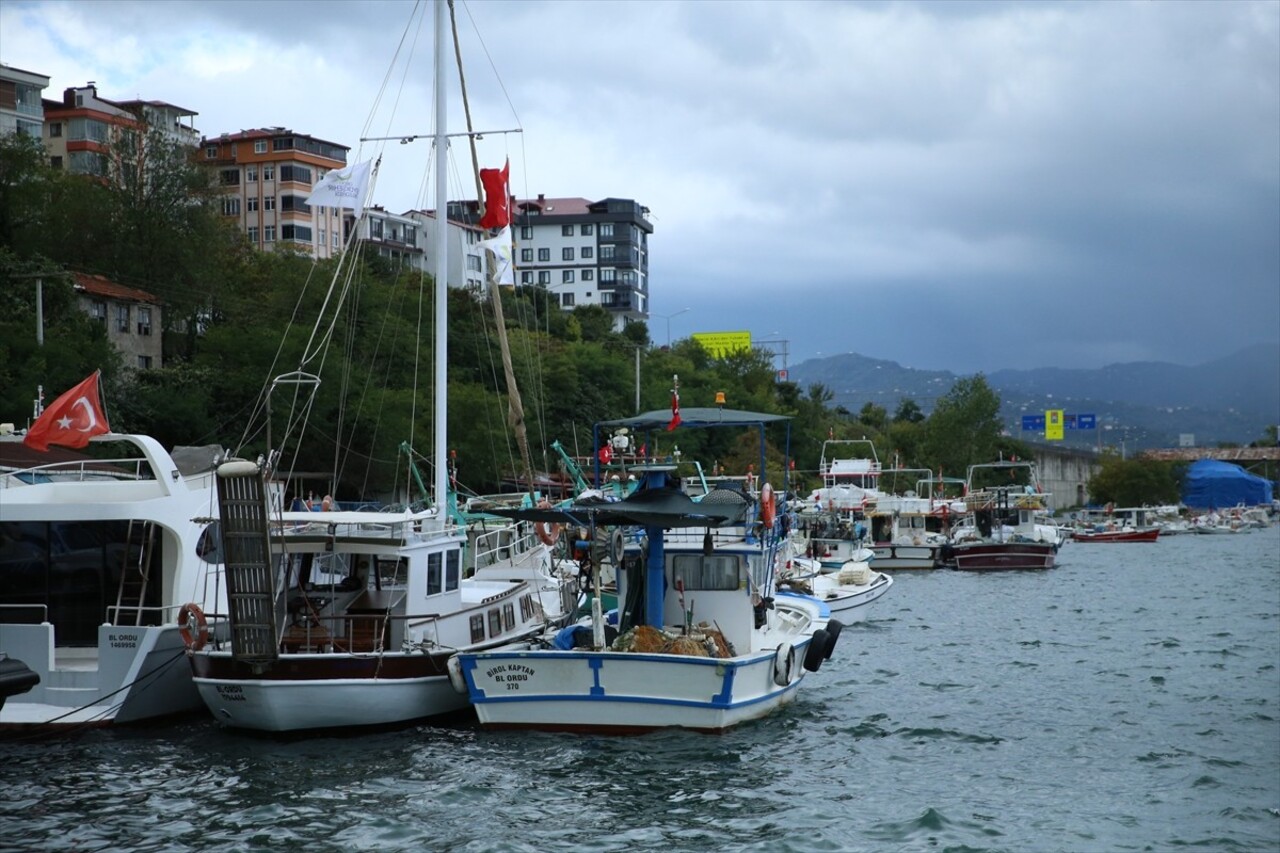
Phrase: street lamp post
(668, 317)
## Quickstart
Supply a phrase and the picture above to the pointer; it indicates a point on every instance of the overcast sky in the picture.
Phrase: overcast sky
(949, 185)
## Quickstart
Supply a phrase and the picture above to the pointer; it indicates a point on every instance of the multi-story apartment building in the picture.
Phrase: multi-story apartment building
(133, 318)
(81, 130)
(21, 101)
(266, 176)
(586, 252)
(409, 239)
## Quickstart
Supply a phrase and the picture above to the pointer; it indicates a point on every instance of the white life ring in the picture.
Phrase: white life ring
(784, 664)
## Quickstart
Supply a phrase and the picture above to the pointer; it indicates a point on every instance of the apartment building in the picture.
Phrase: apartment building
(21, 101)
(266, 176)
(133, 318)
(585, 252)
(409, 239)
(81, 130)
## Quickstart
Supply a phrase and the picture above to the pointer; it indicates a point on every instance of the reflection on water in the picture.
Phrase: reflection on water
(1125, 700)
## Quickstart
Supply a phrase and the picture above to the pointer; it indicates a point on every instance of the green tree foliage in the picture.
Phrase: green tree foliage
(1135, 482)
(964, 428)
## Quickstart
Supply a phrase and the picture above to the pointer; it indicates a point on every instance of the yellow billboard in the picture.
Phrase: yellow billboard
(1053, 424)
(721, 344)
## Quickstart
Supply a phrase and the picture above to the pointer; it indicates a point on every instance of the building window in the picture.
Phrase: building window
(526, 232)
(566, 230)
(473, 263)
(55, 162)
(251, 174)
(260, 146)
(268, 172)
(526, 256)
(122, 319)
(334, 236)
(268, 233)
(588, 275)
(301, 174)
(253, 234)
(251, 204)
(231, 205)
(230, 177)
(566, 254)
(144, 362)
(297, 233)
(526, 277)
(587, 230)
(144, 320)
(588, 252)
(544, 276)
(606, 253)
(608, 275)
(566, 299)
(608, 297)
(55, 129)
(98, 310)
(269, 203)
(566, 277)
(295, 202)
(211, 153)
(544, 255)
(606, 229)
(324, 239)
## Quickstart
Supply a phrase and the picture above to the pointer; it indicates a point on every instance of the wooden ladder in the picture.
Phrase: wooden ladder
(253, 591)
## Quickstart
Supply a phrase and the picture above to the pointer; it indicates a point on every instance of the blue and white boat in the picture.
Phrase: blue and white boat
(702, 638)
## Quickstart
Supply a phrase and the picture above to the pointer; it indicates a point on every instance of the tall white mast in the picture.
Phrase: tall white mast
(441, 273)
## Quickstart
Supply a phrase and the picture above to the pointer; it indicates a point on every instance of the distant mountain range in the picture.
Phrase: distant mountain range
(1139, 404)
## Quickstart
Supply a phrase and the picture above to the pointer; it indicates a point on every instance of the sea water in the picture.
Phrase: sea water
(1128, 699)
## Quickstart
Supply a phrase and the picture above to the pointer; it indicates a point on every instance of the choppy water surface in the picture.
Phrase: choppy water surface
(1127, 700)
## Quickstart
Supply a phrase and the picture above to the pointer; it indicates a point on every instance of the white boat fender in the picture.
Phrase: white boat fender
(834, 627)
(456, 678)
(784, 664)
(813, 656)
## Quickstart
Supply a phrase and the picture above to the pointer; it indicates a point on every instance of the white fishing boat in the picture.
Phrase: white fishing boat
(906, 522)
(703, 639)
(847, 592)
(342, 619)
(98, 552)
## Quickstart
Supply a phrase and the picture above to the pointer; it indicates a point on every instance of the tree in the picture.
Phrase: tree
(1135, 482)
(964, 428)
(873, 416)
(908, 412)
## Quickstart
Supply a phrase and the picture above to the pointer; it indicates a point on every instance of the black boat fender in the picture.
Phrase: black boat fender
(834, 627)
(817, 648)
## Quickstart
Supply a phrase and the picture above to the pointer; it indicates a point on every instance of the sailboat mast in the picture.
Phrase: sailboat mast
(441, 273)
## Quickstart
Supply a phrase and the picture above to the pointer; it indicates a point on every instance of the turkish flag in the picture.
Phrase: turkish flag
(71, 420)
(497, 202)
(675, 411)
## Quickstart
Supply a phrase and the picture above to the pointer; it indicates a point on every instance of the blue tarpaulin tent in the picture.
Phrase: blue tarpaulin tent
(1211, 484)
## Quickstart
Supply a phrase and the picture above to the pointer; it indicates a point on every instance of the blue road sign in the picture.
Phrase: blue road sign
(1035, 423)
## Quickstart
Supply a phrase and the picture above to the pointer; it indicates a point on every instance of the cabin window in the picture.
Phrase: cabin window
(495, 622)
(452, 570)
(509, 616)
(477, 628)
(719, 571)
(435, 573)
(524, 607)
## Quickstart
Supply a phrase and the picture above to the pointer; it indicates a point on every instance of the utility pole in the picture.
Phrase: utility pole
(39, 277)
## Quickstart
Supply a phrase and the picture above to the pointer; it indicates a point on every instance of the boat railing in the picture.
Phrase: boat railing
(164, 613)
(78, 471)
(359, 632)
(503, 543)
(40, 611)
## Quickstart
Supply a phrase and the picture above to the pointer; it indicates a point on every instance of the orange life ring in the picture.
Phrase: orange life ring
(768, 507)
(193, 627)
(547, 533)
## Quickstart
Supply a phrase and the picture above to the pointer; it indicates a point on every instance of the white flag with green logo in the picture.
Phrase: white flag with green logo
(343, 187)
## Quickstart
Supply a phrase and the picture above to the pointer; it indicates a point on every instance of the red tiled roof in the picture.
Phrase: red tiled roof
(98, 285)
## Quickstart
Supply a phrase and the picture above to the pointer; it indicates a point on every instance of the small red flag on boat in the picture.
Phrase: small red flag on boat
(605, 455)
(497, 202)
(71, 420)
(675, 411)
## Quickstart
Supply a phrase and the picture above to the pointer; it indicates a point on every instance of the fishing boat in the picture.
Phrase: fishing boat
(341, 619)
(847, 592)
(1003, 530)
(1119, 534)
(905, 522)
(703, 640)
(98, 551)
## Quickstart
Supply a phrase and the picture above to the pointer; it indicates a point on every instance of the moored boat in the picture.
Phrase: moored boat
(1004, 502)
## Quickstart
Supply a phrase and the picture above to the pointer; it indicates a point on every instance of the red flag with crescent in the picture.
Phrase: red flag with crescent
(675, 411)
(71, 420)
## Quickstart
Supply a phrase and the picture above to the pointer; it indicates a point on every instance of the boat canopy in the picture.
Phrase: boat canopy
(662, 507)
(708, 416)
(1213, 484)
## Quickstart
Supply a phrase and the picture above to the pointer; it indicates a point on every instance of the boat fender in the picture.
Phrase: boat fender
(193, 627)
(547, 533)
(834, 627)
(768, 506)
(817, 648)
(456, 678)
(784, 664)
(616, 545)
